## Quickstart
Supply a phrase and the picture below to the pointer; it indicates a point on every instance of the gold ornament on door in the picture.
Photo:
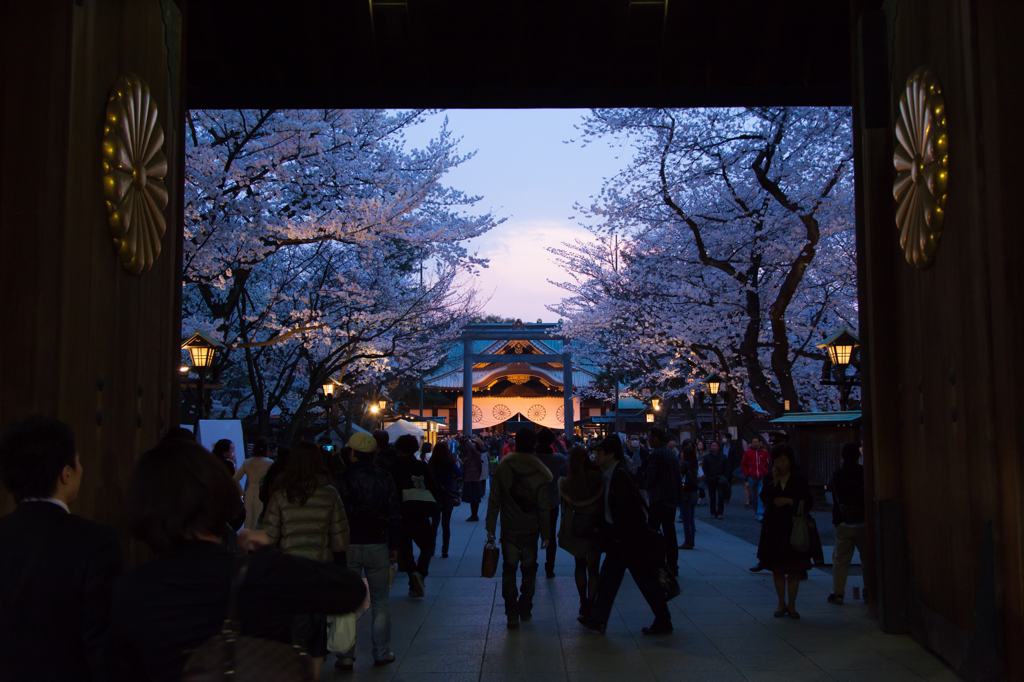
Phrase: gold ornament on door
(921, 160)
(134, 167)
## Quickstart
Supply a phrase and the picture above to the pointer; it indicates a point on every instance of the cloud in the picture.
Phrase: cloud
(520, 267)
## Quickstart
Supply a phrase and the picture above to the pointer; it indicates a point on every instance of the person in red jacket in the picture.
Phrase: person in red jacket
(756, 464)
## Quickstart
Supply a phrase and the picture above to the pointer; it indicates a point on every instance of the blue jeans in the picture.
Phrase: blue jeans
(686, 512)
(755, 485)
(373, 559)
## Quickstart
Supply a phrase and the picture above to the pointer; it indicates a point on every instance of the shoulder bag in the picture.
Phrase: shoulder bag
(800, 536)
(232, 656)
(418, 499)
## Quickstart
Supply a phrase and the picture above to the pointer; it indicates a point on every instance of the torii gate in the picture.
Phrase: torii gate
(513, 332)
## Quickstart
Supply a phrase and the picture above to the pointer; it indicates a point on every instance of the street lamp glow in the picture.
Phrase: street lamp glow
(714, 383)
(184, 369)
(840, 345)
(382, 404)
(328, 388)
(201, 349)
(650, 418)
(656, 403)
(374, 409)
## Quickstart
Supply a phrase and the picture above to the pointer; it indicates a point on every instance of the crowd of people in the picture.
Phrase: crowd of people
(285, 540)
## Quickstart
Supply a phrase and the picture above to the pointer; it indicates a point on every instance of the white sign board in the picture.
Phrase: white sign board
(213, 430)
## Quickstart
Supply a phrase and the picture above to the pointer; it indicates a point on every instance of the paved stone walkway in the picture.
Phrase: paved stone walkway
(724, 628)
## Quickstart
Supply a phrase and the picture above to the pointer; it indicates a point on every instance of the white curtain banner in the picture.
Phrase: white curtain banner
(490, 411)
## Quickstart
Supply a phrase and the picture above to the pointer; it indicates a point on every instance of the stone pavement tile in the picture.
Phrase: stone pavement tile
(455, 631)
(749, 661)
(832, 662)
(879, 641)
(440, 664)
(436, 677)
(729, 615)
(638, 675)
(585, 644)
(673, 661)
(518, 677)
(523, 662)
(874, 676)
(675, 644)
(445, 620)
(811, 642)
(596, 662)
(918, 660)
(458, 647)
(788, 676)
(695, 675)
(524, 645)
(946, 675)
(755, 644)
(734, 630)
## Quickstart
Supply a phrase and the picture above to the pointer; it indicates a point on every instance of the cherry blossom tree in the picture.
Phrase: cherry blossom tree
(318, 246)
(727, 244)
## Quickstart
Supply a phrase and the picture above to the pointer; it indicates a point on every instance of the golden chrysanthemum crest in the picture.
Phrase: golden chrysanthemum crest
(134, 166)
(921, 159)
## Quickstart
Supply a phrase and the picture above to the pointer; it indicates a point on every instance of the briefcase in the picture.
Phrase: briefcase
(489, 565)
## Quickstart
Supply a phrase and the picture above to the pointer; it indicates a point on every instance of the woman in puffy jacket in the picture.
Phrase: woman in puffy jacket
(305, 516)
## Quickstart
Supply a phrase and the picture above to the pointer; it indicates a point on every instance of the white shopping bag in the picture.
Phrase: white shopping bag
(341, 632)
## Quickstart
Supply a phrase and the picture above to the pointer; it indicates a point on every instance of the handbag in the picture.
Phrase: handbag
(418, 499)
(229, 655)
(456, 493)
(800, 538)
(489, 564)
(341, 632)
(667, 582)
(583, 525)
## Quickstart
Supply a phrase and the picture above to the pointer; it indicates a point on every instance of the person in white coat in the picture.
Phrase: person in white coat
(254, 469)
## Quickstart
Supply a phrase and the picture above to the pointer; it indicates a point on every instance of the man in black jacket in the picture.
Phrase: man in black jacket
(412, 476)
(718, 476)
(628, 542)
(374, 519)
(56, 569)
(664, 485)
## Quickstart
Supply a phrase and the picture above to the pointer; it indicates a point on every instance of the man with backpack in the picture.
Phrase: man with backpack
(374, 520)
(519, 493)
(418, 495)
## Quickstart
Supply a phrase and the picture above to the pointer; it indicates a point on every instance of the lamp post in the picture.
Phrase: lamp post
(201, 350)
(842, 345)
(714, 383)
(328, 387)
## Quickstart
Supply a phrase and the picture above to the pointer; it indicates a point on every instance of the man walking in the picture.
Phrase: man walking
(519, 492)
(374, 520)
(56, 569)
(556, 464)
(412, 478)
(628, 544)
(718, 476)
(755, 465)
(664, 487)
(848, 516)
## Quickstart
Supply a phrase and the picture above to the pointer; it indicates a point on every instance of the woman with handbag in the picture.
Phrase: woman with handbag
(306, 517)
(581, 493)
(173, 608)
(787, 501)
(448, 477)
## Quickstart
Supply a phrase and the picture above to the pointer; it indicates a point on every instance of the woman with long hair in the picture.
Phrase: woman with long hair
(179, 502)
(254, 469)
(224, 450)
(449, 482)
(305, 517)
(581, 492)
(785, 495)
(688, 506)
(425, 450)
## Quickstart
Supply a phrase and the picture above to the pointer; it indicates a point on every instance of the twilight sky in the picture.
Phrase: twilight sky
(525, 172)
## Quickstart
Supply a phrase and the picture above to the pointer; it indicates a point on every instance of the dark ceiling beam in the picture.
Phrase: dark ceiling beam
(510, 54)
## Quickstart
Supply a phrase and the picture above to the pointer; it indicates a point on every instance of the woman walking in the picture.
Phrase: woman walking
(254, 469)
(425, 451)
(224, 450)
(688, 507)
(581, 492)
(449, 479)
(784, 496)
(472, 475)
(305, 517)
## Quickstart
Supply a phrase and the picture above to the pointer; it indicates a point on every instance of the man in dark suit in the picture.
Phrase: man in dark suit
(56, 569)
(628, 544)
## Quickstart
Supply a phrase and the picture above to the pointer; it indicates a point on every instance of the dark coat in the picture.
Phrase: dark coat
(848, 494)
(774, 549)
(628, 530)
(364, 484)
(581, 494)
(56, 575)
(171, 605)
(664, 480)
(717, 465)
